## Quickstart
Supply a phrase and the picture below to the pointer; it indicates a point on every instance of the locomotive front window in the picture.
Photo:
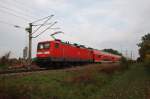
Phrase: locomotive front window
(44, 45)
(40, 46)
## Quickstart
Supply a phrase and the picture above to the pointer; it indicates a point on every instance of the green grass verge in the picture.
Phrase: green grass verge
(3, 66)
(131, 84)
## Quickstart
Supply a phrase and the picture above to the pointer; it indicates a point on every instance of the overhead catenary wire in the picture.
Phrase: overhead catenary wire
(3, 22)
(29, 6)
(19, 6)
(45, 29)
(12, 10)
(10, 24)
(18, 16)
(22, 5)
(43, 23)
(42, 19)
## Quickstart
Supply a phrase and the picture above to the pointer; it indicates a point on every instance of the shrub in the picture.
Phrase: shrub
(147, 64)
(4, 60)
(124, 63)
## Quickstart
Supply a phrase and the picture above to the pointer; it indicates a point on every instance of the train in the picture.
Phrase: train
(59, 52)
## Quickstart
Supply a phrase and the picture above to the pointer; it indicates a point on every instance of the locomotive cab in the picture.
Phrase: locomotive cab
(43, 49)
(49, 51)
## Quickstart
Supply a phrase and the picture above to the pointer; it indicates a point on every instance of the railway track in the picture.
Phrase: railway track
(26, 70)
(22, 70)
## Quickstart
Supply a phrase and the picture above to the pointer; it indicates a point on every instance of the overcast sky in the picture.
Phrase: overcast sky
(117, 24)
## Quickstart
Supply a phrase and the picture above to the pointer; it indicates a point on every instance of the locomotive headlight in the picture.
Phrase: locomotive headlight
(39, 53)
(47, 52)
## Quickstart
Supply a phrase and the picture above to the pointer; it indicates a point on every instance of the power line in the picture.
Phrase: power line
(25, 7)
(6, 23)
(13, 4)
(10, 24)
(43, 24)
(45, 29)
(22, 4)
(18, 16)
(12, 10)
(42, 19)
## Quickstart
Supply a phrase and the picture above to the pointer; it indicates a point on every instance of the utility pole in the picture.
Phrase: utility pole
(30, 41)
(29, 30)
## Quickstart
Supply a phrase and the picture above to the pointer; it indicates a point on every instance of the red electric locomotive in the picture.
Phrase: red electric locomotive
(57, 51)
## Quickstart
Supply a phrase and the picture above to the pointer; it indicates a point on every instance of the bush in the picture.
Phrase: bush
(147, 64)
(124, 63)
(4, 60)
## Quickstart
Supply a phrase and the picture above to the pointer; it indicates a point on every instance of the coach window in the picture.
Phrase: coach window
(56, 45)
(99, 56)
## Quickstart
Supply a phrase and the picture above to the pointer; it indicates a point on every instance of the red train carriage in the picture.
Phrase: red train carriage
(116, 58)
(57, 51)
(100, 56)
(97, 56)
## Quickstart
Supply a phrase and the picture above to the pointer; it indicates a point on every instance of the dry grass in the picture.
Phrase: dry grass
(95, 81)
(86, 75)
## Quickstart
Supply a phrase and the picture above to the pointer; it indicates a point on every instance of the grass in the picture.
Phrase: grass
(133, 84)
(90, 84)
(3, 66)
